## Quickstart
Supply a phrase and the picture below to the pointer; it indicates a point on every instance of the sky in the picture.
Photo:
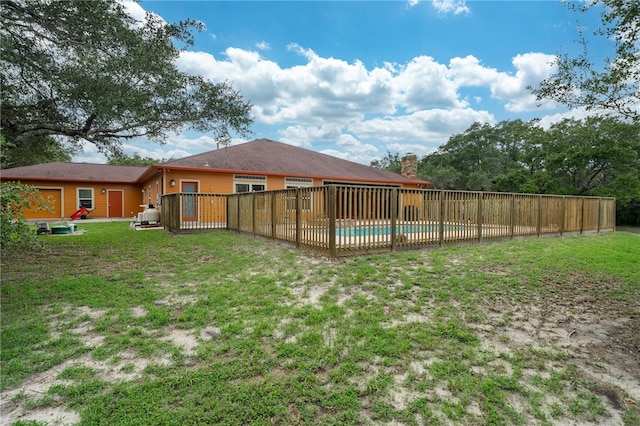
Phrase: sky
(360, 79)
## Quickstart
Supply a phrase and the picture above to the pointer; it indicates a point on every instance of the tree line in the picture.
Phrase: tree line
(597, 156)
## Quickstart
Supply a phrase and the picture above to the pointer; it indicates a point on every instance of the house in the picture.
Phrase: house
(263, 164)
(104, 190)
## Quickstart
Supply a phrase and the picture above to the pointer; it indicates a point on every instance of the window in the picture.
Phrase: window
(85, 198)
(298, 182)
(305, 202)
(245, 183)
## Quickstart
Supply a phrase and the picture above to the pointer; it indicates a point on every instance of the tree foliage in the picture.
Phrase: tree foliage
(596, 156)
(613, 85)
(119, 159)
(37, 150)
(390, 162)
(14, 198)
(87, 70)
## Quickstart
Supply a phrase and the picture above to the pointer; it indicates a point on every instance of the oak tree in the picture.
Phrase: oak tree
(613, 85)
(87, 70)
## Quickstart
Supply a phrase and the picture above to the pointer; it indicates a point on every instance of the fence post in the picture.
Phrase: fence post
(599, 212)
(441, 219)
(298, 221)
(332, 221)
(273, 214)
(394, 217)
(539, 227)
(562, 215)
(253, 213)
(582, 216)
(239, 215)
(480, 199)
(227, 208)
(512, 216)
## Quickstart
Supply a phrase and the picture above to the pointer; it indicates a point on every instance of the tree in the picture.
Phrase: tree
(616, 88)
(599, 156)
(37, 150)
(119, 159)
(390, 162)
(14, 198)
(89, 71)
(474, 159)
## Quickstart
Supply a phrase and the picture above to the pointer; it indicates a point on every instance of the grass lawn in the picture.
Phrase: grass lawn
(115, 326)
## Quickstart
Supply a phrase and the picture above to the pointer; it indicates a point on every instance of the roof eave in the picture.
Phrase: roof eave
(66, 180)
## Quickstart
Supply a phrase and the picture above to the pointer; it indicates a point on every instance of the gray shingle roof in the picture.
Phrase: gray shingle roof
(264, 156)
(60, 171)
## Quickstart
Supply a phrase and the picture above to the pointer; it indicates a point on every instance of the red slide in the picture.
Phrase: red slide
(81, 211)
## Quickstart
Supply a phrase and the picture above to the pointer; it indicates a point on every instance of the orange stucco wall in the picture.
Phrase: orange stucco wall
(211, 183)
(64, 199)
(157, 183)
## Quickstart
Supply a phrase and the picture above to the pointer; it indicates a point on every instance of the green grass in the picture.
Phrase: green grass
(463, 335)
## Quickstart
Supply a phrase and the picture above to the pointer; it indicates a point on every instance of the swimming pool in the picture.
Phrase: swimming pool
(362, 231)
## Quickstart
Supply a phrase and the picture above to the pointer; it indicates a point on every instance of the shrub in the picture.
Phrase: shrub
(15, 197)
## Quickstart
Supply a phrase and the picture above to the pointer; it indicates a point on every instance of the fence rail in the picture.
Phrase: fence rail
(347, 220)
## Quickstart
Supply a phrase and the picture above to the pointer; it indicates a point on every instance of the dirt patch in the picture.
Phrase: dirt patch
(23, 403)
(183, 339)
(577, 317)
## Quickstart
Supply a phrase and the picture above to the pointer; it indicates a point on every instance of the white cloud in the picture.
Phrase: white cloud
(577, 113)
(468, 71)
(331, 100)
(200, 143)
(89, 154)
(304, 136)
(134, 10)
(427, 126)
(346, 155)
(418, 149)
(531, 69)
(424, 83)
(353, 145)
(362, 111)
(450, 6)
(263, 45)
(329, 90)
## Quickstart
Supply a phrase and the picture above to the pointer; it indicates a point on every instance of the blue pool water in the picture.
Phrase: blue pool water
(386, 230)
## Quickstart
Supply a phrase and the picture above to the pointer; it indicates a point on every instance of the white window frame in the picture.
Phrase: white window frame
(92, 199)
(251, 181)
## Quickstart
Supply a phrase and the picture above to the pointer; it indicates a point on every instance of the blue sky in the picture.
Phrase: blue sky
(356, 79)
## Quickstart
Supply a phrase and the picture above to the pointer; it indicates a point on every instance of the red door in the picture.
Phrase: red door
(190, 201)
(115, 204)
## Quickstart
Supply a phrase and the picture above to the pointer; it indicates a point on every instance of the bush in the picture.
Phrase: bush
(15, 197)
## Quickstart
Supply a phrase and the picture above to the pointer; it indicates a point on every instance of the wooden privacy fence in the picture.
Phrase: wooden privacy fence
(347, 220)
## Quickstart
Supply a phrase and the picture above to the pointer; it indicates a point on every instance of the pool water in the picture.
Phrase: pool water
(386, 230)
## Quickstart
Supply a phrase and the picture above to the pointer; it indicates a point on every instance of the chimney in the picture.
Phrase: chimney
(409, 166)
